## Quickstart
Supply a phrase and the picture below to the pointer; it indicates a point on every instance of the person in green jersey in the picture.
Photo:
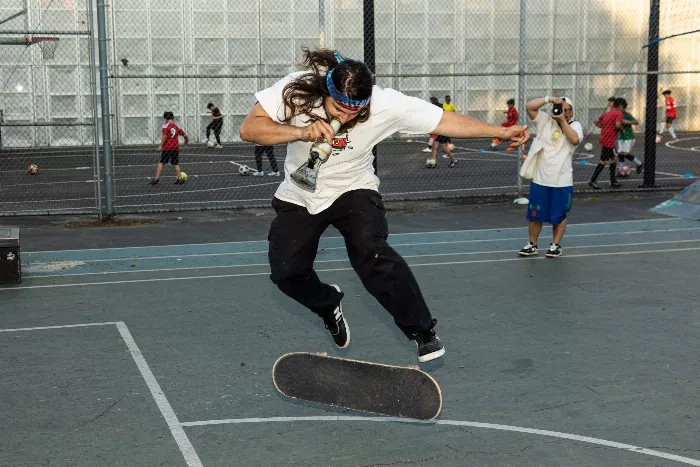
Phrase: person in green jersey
(625, 139)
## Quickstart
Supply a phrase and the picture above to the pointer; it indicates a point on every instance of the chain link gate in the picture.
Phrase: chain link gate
(48, 144)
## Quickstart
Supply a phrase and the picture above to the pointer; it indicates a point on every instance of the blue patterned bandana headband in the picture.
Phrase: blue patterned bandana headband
(340, 98)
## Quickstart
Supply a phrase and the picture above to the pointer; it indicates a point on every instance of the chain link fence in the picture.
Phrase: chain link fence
(182, 55)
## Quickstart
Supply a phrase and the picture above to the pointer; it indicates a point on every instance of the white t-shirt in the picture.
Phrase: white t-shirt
(555, 167)
(350, 165)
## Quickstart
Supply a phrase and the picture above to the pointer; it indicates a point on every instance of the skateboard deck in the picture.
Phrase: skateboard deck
(396, 391)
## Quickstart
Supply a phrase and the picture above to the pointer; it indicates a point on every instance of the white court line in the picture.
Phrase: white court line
(228, 201)
(448, 190)
(50, 201)
(668, 143)
(259, 252)
(667, 173)
(256, 265)
(178, 192)
(71, 182)
(120, 179)
(42, 328)
(150, 154)
(116, 167)
(495, 229)
(489, 426)
(166, 410)
(450, 263)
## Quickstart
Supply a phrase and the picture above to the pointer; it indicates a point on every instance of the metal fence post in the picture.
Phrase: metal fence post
(521, 100)
(104, 94)
(95, 117)
(652, 96)
(370, 54)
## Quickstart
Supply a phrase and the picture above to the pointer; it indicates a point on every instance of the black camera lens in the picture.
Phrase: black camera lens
(557, 109)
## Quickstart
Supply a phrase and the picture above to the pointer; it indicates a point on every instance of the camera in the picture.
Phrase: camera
(556, 109)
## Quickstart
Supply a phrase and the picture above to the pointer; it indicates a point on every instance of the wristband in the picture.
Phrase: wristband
(546, 99)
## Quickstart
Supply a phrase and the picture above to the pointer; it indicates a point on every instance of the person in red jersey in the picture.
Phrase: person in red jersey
(511, 119)
(671, 115)
(170, 148)
(610, 123)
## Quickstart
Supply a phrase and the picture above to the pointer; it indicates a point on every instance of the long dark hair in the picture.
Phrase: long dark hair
(306, 93)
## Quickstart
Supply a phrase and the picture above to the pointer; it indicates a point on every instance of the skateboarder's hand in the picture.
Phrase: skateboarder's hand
(518, 135)
(317, 130)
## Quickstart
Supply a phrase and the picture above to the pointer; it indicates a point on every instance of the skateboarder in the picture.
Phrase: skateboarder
(296, 110)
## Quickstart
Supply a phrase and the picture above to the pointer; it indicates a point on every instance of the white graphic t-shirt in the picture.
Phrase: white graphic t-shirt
(555, 167)
(350, 165)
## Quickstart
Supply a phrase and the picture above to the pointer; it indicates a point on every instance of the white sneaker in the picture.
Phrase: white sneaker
(427, 150)
(258, 174)
(218, 146)
(445, 156)
(273, 174)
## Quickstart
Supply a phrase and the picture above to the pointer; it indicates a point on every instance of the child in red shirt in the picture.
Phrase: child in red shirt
(511, 119)
(610, 124)
(170, 147)
(671, 115)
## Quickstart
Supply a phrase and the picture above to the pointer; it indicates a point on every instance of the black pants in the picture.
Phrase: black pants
(216, 126)
(605, 155)
(360, 217)
(270, 150)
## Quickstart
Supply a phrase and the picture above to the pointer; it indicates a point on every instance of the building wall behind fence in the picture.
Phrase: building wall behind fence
(216, 41)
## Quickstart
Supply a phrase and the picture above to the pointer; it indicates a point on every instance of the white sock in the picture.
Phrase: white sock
(673, 133)
(637, 161)
(662, 128)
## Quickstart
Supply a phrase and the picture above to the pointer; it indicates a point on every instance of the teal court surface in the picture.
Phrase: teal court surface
(162, 355)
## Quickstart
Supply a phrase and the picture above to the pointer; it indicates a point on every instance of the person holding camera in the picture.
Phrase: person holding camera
(552, 186)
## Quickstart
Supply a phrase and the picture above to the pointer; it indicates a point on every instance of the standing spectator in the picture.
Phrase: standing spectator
(610, 123)
(552, 187)
(217, 123)
(444, 140)
(170, 148)
(270, 151)
(671, 115)
(448, 106)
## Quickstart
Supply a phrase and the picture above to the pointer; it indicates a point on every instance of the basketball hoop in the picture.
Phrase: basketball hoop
(48, 45)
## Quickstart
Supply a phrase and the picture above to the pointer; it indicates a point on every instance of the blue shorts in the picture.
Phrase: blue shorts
(548, 204)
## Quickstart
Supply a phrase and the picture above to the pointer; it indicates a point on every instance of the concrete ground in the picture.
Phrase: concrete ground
(152, 343)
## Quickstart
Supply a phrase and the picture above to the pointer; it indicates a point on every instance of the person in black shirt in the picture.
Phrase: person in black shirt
(217, 123)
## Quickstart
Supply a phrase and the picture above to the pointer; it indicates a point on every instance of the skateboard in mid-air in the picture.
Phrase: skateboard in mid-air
(389, 390)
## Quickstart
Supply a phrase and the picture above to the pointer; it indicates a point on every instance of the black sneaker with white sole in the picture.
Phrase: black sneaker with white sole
(429, 345)
(554, 251)
(337, 325)
(528, 250)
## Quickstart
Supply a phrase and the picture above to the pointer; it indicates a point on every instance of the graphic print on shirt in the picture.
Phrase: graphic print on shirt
(556, 137)
(340, 143)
